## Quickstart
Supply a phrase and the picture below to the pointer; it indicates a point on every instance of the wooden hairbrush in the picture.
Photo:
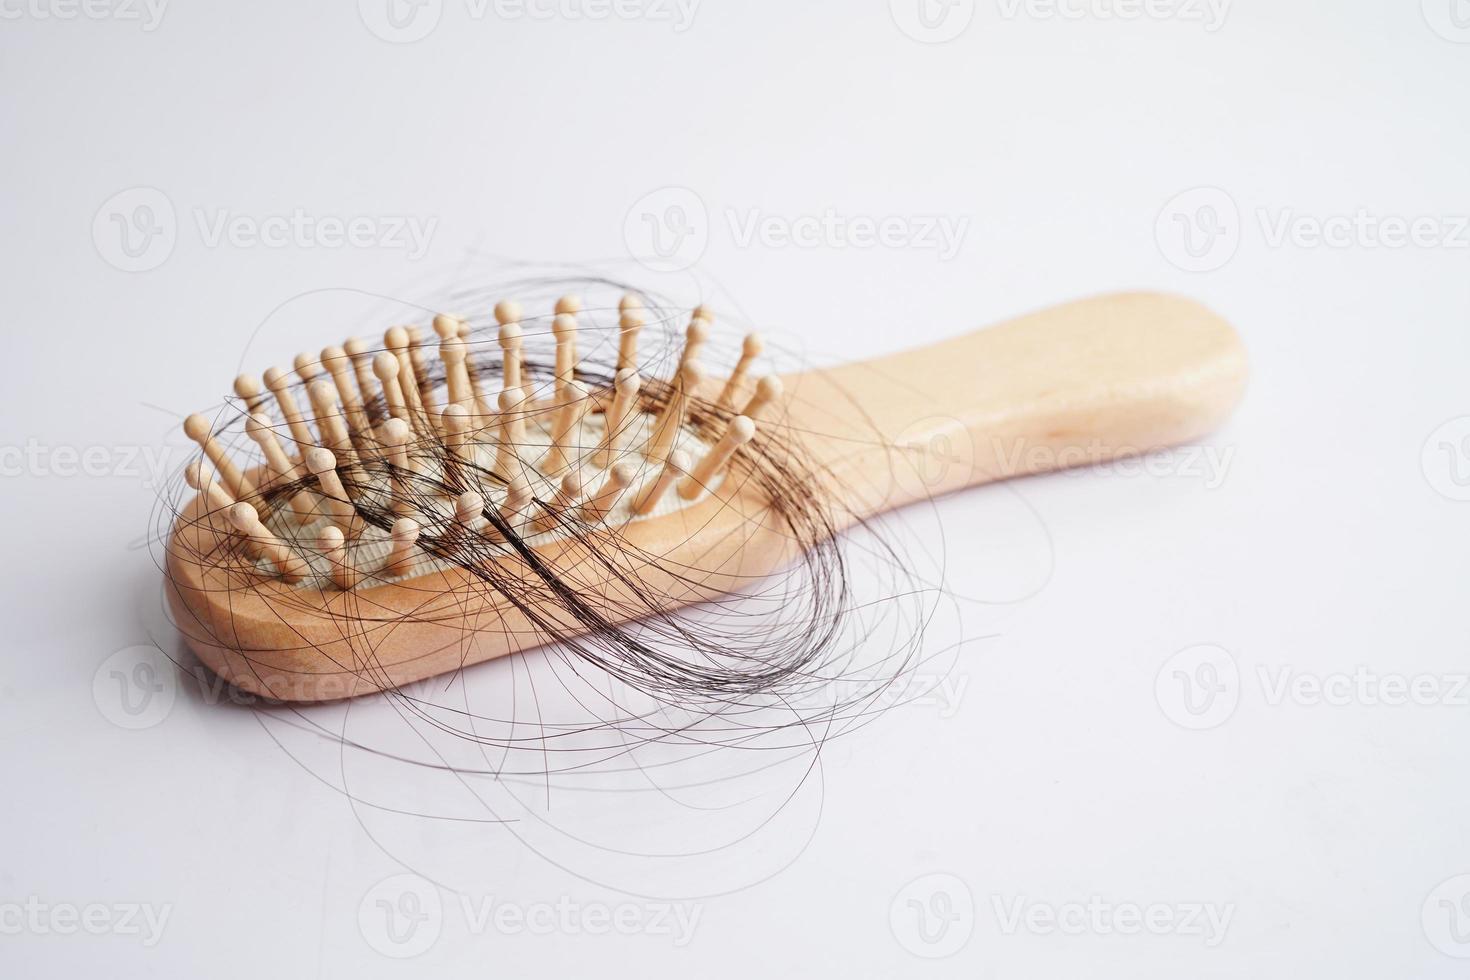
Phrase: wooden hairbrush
(379, 516)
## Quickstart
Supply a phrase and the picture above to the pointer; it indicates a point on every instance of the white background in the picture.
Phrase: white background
(1329, 539)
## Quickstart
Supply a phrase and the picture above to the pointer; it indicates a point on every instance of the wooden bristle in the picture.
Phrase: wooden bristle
(749, 351)
(279, 382)
(396, 340)
(401, 559)
(674, 467)
(420, 366)
(571, 305)
(333, 546)
(396, 436)
(564, 328)
(418, 358)
(339, 366)
(323, 465)
(566, 497)
(288, 565)
(330, 425)
(305, 506)
(694, 337)
(249, 391)
(740, 431)
(512, 432)
(455, 423)
(628, 326)
(453, 351)
(518, 500)
(356, 350)
(666, 429)
(447, 325)
(507, 311)
(386, 367)
(308, 368)
(510, 347)
(767, 390)
(216, 497)
(625, 398)
(196, 427)
(482, 405)
(567, 423)
(618, 479)
(258, 428)
(469, 509)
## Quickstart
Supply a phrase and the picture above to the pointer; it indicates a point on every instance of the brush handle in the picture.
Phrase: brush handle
(1080, 383)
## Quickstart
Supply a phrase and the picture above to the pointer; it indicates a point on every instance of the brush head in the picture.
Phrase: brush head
(410, 496)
